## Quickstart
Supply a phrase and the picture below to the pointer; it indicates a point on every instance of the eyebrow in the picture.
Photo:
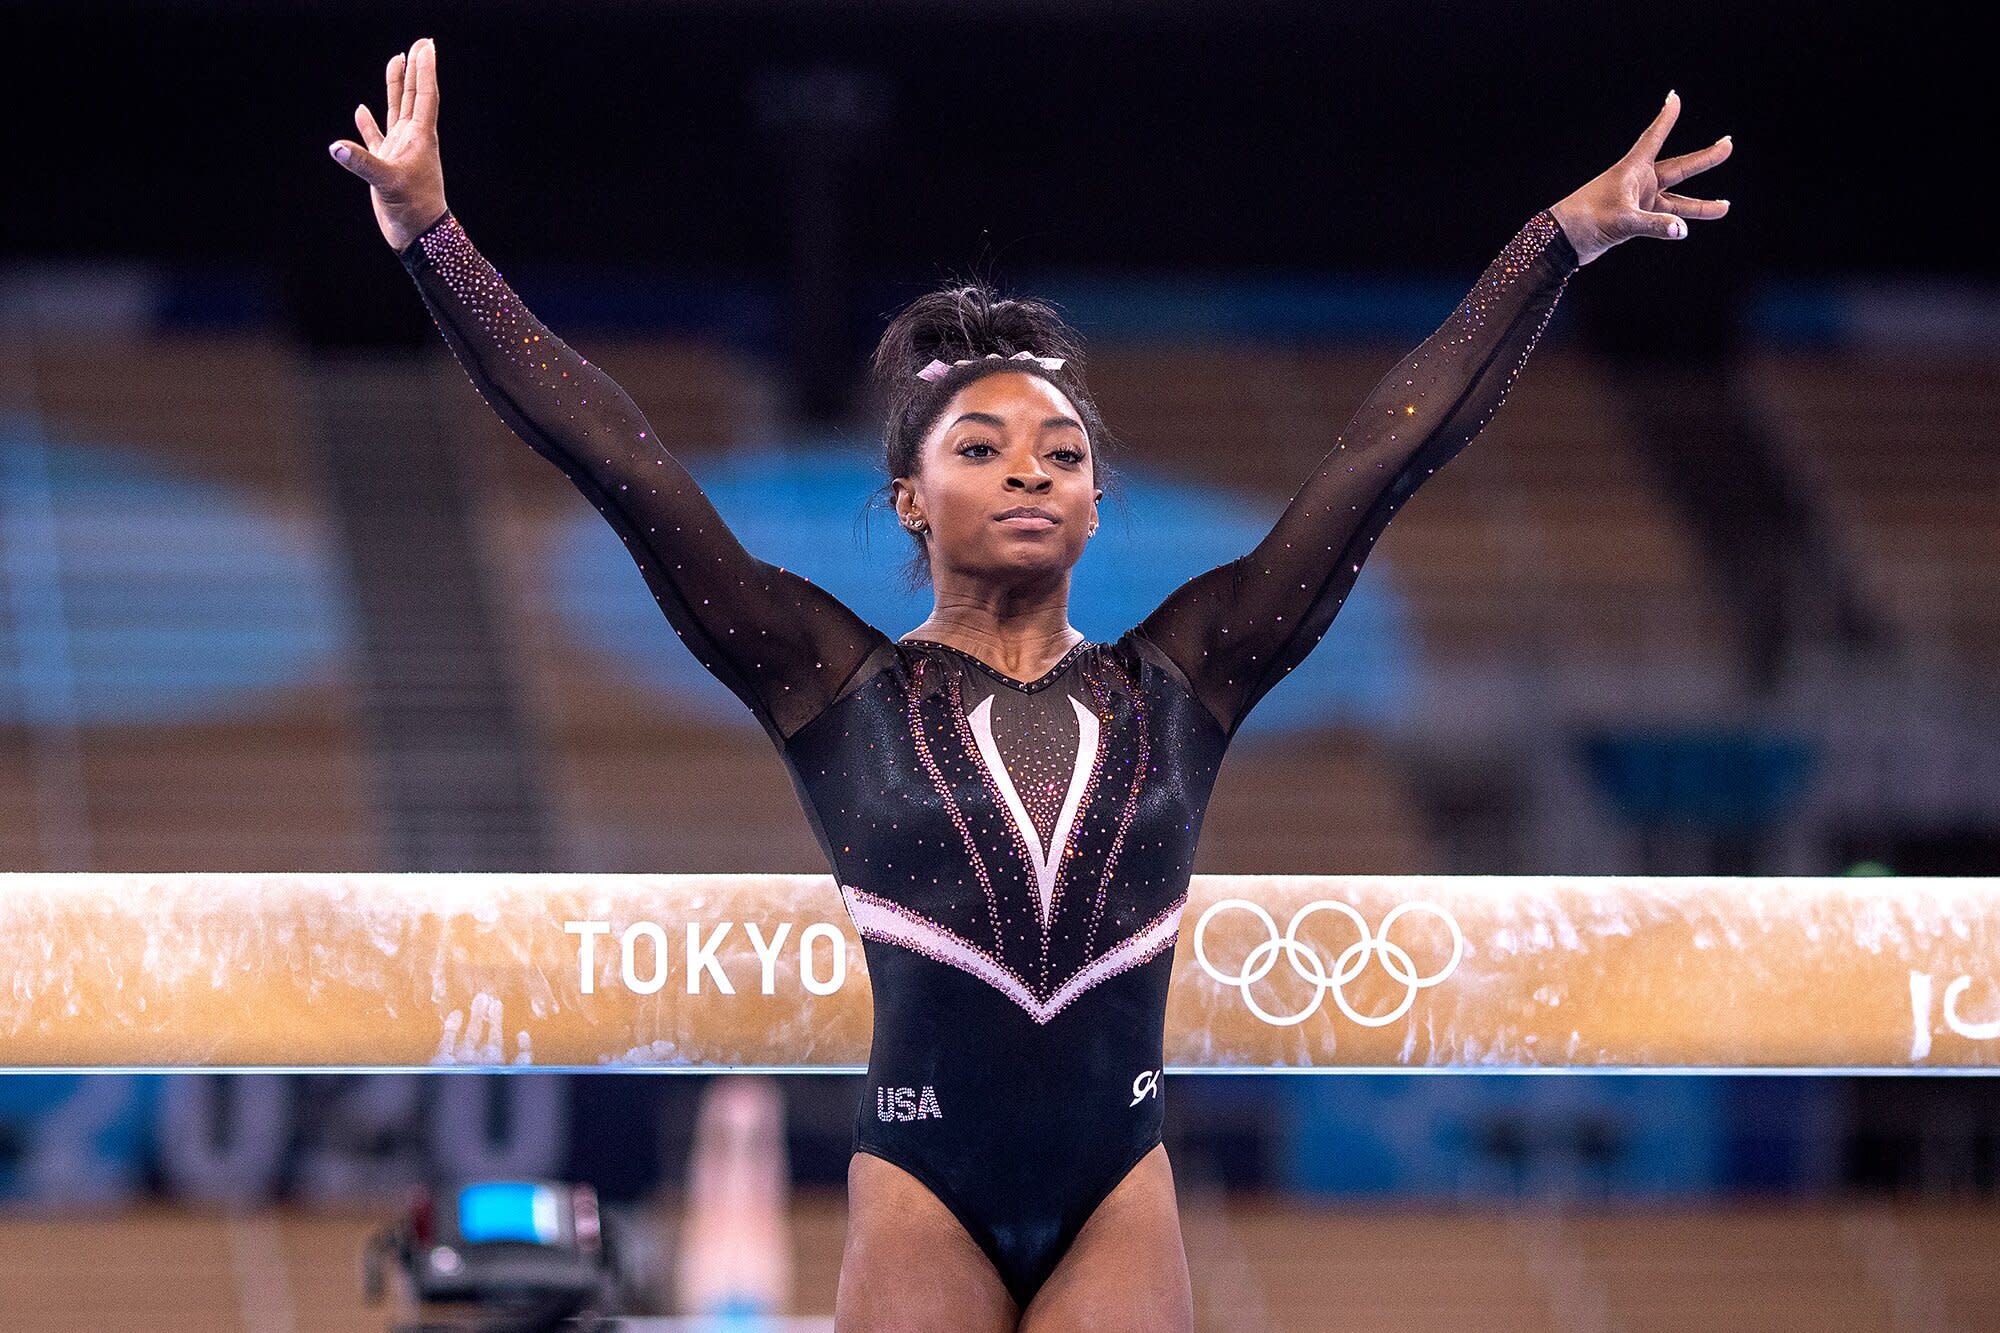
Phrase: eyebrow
(989, 419)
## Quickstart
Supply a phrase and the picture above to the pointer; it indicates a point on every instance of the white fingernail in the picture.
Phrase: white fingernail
(1677, 229)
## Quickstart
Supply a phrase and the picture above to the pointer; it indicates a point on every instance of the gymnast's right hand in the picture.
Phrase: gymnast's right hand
(400, 163)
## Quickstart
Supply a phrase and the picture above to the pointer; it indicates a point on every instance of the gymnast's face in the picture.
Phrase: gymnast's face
(1005, 443)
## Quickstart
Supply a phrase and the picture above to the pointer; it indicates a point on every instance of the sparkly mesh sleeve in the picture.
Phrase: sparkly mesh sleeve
(1237, 629)
(781, 644)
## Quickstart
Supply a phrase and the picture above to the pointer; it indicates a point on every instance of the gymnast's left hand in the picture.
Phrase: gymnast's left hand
(1633, 198)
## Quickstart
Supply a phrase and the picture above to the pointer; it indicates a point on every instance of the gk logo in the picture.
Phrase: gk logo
(1261, 959)
(1144, 1086)
(907, 1104)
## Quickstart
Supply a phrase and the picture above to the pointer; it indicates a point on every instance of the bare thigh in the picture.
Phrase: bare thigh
(908, 1266)
(1127, 1269)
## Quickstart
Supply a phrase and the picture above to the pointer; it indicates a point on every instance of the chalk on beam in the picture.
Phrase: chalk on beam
(707, 972)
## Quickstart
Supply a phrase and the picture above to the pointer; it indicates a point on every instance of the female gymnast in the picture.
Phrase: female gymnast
(1010, 810)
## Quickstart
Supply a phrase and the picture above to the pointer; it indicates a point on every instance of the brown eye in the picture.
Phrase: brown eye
(967, 447)
(1069, 455)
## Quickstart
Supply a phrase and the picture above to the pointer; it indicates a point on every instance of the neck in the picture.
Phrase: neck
(1023, 631)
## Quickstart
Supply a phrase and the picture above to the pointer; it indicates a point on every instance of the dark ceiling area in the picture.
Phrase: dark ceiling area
(911, 141)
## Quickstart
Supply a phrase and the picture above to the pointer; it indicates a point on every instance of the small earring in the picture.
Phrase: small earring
(915, 524)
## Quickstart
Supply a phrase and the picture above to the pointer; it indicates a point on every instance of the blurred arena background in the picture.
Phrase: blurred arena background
(1717, 592)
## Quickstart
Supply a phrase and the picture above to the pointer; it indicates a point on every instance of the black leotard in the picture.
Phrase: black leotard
(1014, 854)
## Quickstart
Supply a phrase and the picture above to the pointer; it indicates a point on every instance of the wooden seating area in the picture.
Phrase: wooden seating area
(1329, 797)
(283, 789)
(223, 407)
(1262, 1264)
(1898, 452)
(267, 778)
(1543, 553)
(1543, 539)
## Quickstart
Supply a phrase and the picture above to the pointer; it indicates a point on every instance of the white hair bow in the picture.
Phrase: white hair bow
(936, 370)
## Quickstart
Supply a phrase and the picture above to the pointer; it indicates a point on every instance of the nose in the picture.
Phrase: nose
(1029, 475)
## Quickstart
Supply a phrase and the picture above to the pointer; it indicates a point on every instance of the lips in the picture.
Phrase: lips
(1027, 517)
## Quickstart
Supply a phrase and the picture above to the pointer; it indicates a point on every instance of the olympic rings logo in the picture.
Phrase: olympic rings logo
(1395, 960)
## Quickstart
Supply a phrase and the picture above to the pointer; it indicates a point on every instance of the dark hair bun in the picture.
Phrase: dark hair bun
(968, 321)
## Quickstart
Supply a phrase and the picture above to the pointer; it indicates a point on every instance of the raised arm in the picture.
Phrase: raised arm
(1237, 629)
(781, 644)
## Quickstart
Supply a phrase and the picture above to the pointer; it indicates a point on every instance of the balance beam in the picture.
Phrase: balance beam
(721, 972)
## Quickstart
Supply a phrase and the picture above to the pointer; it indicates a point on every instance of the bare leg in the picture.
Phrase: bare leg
(908, 1266)
(1127, 1269)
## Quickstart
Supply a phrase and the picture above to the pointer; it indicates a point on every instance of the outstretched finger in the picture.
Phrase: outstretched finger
(393, 110)
(1702, 210)
(1664, 226)
(1649, 144)
(410, 81)
(371, 133)
(1677, 169)
(426, 103)
(360, 161)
